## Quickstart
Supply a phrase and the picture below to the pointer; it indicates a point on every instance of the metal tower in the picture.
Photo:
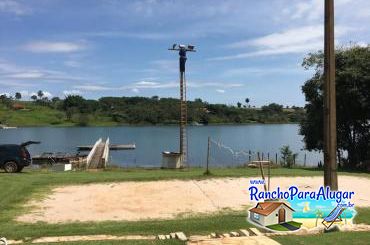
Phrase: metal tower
(183, 49)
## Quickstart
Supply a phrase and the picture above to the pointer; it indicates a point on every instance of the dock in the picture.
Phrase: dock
(93, 157)
(99, 155)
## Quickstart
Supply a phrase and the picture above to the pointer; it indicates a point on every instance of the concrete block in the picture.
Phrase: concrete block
(181, 236)
(255, 232)
(161, 237)
(244, 232)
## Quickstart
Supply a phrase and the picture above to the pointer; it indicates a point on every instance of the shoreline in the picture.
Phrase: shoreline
(146, 125)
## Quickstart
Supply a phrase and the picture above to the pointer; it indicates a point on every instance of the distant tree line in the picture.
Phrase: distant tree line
(155, 110)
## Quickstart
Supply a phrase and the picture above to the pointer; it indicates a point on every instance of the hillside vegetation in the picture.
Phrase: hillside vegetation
(74, 110)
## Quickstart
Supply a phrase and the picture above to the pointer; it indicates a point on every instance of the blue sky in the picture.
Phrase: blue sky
(119, 48)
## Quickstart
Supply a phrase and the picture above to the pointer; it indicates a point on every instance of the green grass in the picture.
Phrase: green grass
(362, 216)
(17, 189)
(123, 242)
(277, 227)
(295, 224)
(353, 238)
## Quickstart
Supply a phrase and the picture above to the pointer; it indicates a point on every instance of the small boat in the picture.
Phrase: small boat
(2, 126)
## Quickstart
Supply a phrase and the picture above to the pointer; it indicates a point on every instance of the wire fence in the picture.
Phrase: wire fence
(221, 155)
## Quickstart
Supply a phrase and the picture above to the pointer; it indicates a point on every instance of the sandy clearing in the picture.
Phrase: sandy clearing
(165, 199)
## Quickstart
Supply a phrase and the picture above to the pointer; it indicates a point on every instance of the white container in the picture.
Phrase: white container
(61, 167)
(171, 160)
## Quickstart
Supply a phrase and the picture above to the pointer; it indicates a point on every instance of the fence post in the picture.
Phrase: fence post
(208, 153)
(276, 159)
(262, 174)
(268, 173)
(305, 158)
(250, 155)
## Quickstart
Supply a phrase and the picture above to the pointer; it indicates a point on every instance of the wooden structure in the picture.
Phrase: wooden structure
(330, 116)
(99, 155)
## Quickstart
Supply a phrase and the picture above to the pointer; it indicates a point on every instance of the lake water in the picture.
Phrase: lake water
(152, 140)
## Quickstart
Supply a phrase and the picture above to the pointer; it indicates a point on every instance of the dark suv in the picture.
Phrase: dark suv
(13, 158)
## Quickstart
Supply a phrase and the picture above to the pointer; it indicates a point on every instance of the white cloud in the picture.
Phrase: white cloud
(137, 86)
(27, 75)
(139, 35)
(221, 85)
(296, 40)
(72, 92)
(12, 73)
(92, 87)
(261, 71)
(144, 83)
(221, 91)
(294, 36)
(54, 47)
(24, 93)
(14, 7)
(5, 93)
(47, 94)
(311, 10)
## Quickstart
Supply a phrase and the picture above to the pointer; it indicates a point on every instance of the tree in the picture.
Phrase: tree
(239, 104)
(273, 108)
(247, 100)
(287, 156)
(74, 101)
(18, 96)
(34, 97)
(353, 104)
(40, 94)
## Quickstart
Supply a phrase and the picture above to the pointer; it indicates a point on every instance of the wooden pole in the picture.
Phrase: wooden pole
(269, 175)
(330, 131)
(208, 154)
(262, 174)
(276, 160)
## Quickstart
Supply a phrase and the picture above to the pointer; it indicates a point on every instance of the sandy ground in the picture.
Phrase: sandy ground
(165, 199)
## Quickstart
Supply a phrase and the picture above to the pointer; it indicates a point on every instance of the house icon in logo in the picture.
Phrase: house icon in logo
(271, 213)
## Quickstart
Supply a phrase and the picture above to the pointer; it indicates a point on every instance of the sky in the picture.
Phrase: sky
(245, 49)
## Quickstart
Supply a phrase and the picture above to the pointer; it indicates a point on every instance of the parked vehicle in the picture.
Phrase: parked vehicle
(13, 157)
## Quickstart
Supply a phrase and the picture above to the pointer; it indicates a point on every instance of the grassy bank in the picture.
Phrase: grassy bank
(16, 189)
(112, 111)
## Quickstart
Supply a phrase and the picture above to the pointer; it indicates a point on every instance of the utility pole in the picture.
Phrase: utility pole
(183, 49)
(330, 121)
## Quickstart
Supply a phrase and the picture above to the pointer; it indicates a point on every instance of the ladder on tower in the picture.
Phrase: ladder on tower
(183, 120)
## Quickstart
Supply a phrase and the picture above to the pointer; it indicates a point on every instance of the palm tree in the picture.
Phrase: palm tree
(18, 95)
(319, 214)
(40, 94)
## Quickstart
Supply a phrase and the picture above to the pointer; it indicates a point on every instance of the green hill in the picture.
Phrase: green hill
(110, 111)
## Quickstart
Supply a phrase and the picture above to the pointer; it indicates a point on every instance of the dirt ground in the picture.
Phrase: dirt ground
(165, 199)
